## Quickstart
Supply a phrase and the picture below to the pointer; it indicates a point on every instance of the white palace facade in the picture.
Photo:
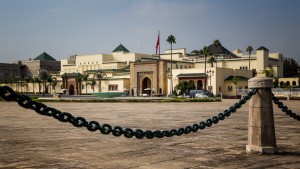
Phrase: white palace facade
(124, 71)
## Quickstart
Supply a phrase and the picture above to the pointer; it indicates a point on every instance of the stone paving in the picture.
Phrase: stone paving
(29, 140)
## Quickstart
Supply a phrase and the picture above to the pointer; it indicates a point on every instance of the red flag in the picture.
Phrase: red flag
(157, 44)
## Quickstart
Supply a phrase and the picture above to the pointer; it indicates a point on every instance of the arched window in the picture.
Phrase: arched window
(281, 84)
(294, 83)
(82, 86)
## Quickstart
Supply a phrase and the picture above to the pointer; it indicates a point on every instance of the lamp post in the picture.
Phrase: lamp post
(210, 74)
(169, 76)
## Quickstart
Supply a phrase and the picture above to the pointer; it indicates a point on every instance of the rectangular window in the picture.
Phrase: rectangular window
(113, 87)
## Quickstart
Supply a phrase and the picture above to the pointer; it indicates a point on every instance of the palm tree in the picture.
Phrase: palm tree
(205, 51)
(29, 79)
(44, 76)
(234, 80)
(98, 75)
(211, 60)
(53, 83)
(216, 43)
(249, 50)
(36, 79)
(93, 82)
(171, 39)
(85, 78)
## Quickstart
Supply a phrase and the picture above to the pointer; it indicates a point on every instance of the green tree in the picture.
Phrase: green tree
(53, 82)
(268, 72)
(37, 80)
(290, 67)
(249, 50)
(191, 86)
(216, 43)
(234, 80)
(171, 40)
(182, 86)
(206, 52)
(98, 75)
(93, 82)
(185, 86)
(211, 60)
(85, 78)
(44, 76)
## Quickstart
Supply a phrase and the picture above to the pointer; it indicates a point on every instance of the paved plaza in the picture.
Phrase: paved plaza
(30, 140)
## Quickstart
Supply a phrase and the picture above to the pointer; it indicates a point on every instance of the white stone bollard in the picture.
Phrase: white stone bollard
(261, 129)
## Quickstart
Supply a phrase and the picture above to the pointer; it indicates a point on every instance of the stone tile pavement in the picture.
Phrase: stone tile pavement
(29, 140)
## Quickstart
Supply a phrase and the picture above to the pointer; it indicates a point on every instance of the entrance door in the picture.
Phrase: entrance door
(71, 90)
(146, 86)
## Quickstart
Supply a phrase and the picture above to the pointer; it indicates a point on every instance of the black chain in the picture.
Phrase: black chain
(285, 108)
(9, 95)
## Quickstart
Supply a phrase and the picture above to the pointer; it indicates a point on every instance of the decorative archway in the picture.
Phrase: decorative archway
(71, 90)
(199, 84)
(146, 86)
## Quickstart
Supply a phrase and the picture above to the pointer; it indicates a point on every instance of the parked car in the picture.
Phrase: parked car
(206, 92)
(201, 95)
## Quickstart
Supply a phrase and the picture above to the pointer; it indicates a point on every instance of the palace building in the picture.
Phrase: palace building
(157, 75)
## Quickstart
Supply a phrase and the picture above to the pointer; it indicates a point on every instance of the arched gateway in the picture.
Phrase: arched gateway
(146, 86)
(71, 90)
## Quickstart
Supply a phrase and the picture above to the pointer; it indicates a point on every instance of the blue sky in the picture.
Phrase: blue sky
(67, 27)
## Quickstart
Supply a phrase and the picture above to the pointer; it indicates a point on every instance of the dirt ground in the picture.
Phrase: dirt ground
(30, 140)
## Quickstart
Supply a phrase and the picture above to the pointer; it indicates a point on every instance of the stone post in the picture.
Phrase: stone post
(261, 129)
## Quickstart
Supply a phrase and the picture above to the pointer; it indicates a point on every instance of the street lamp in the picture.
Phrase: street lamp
(210, 74)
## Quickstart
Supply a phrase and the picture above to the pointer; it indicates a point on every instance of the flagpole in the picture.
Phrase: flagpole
(159, 45)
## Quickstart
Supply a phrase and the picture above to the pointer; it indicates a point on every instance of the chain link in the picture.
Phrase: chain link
(285, 108)
(24, 101)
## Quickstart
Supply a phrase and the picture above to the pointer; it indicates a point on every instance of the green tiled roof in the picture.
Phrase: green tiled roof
(71, 74)
(241, 78)
(44, 56)
(126, 67)
(220, 50)
(121, 48)
(192, 75)
(262, 48)
(108, 70)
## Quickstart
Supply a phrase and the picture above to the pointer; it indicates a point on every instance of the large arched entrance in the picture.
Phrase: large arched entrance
(71, 90)
(199, 84)
(146, 86)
